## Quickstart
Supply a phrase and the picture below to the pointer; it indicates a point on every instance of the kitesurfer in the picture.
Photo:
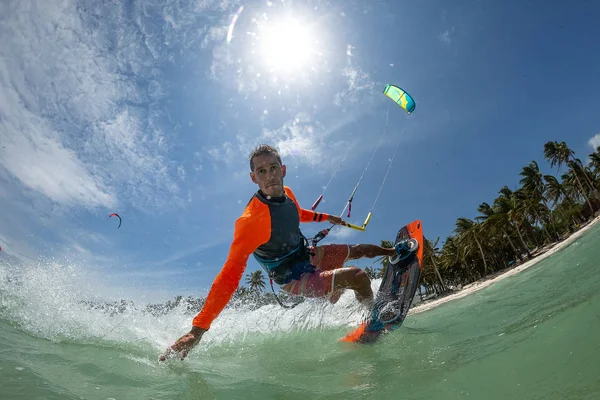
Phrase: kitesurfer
(269, 229)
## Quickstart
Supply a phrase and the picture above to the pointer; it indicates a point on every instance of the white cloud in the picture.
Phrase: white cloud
(181, 173)
(349, 50)
(77, 117)
(32, 153)
(215, 34)
(81, 123)
(341, 234)
(594, 141)
(356, 83)
(445, 37)
(223, 154)
(301, 137)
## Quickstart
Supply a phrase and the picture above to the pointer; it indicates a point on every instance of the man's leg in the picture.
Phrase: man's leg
(331, 277)
(331, 258)
(324, 282)
(369, 250)
(330, 284)
(352, 277)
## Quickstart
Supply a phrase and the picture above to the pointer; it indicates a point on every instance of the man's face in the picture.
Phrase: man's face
(268, 174)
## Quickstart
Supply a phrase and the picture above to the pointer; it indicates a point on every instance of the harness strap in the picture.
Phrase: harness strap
(279, 301)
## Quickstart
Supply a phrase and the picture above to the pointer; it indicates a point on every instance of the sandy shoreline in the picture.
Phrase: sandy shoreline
(482, 284)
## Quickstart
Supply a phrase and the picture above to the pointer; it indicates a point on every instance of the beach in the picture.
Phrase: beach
(542, 254)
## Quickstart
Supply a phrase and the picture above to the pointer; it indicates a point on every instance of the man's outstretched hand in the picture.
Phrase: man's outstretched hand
(184, 344)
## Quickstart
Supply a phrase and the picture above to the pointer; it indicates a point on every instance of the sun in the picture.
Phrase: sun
(287, 45)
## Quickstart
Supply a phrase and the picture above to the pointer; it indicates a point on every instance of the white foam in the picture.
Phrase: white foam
(53, 301)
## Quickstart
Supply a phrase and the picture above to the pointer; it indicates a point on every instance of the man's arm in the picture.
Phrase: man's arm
(306, 215)
(246, 239)
(312, 216)
(251, 230)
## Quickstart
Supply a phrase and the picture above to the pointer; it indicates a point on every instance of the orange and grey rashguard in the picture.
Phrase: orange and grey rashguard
(269, 228)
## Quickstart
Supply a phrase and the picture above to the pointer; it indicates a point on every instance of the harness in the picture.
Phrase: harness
(290, 266)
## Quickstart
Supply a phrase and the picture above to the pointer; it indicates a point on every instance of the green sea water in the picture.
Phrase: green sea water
(535, 335)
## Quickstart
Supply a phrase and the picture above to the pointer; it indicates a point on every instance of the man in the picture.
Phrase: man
(269, 229)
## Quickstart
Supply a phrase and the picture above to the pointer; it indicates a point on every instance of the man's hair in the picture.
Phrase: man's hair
(261, 150)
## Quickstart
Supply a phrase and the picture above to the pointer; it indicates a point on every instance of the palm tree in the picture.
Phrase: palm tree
(538, 213)
(559, 154)
(384, 260)
(595, 160)
(240, 292)
(468, 231)
(555, 192)
(506, 210)
(585, 172)
(255, 281)
(430, 249)
(588, 175)
(532, 181)
(533, 185)
(491, 223)
(453, 258)
(594, 164)
(524, 214)
(371, 273)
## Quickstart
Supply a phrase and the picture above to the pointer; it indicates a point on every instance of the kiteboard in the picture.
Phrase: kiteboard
(397, 289)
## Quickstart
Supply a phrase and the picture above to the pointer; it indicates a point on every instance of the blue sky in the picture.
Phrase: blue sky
(148, 110)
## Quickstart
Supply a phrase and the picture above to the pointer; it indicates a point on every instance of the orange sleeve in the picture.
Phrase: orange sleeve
(305, 215)
(252, 229)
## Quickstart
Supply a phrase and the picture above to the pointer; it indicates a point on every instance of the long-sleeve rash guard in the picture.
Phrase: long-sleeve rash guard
(269, 224)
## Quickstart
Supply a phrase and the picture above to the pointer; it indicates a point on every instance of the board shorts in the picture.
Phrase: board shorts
(329, 259)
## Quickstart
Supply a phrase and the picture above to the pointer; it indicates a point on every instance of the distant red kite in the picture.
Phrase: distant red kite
(116, 215)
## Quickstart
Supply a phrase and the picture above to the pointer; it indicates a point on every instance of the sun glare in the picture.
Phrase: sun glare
(286, 45)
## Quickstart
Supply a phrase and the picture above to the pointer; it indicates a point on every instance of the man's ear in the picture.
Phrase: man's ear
(253, 177)
(283, 169)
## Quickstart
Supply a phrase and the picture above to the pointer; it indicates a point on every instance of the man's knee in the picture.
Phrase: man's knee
(352, 277)
(355, 251)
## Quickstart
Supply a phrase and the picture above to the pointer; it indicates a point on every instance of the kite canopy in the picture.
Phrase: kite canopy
(403, 99)
(116, 215)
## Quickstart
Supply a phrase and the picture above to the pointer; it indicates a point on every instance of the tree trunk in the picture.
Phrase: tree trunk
(437, 272)
(551, 220)
(583, 192)
(511, 244)
(553, 226)
(543, 226)
(482, 255)
(585, 175)
(522, 241)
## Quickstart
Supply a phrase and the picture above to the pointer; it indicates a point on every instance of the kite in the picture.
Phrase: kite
(116, 215)
(402, 98)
